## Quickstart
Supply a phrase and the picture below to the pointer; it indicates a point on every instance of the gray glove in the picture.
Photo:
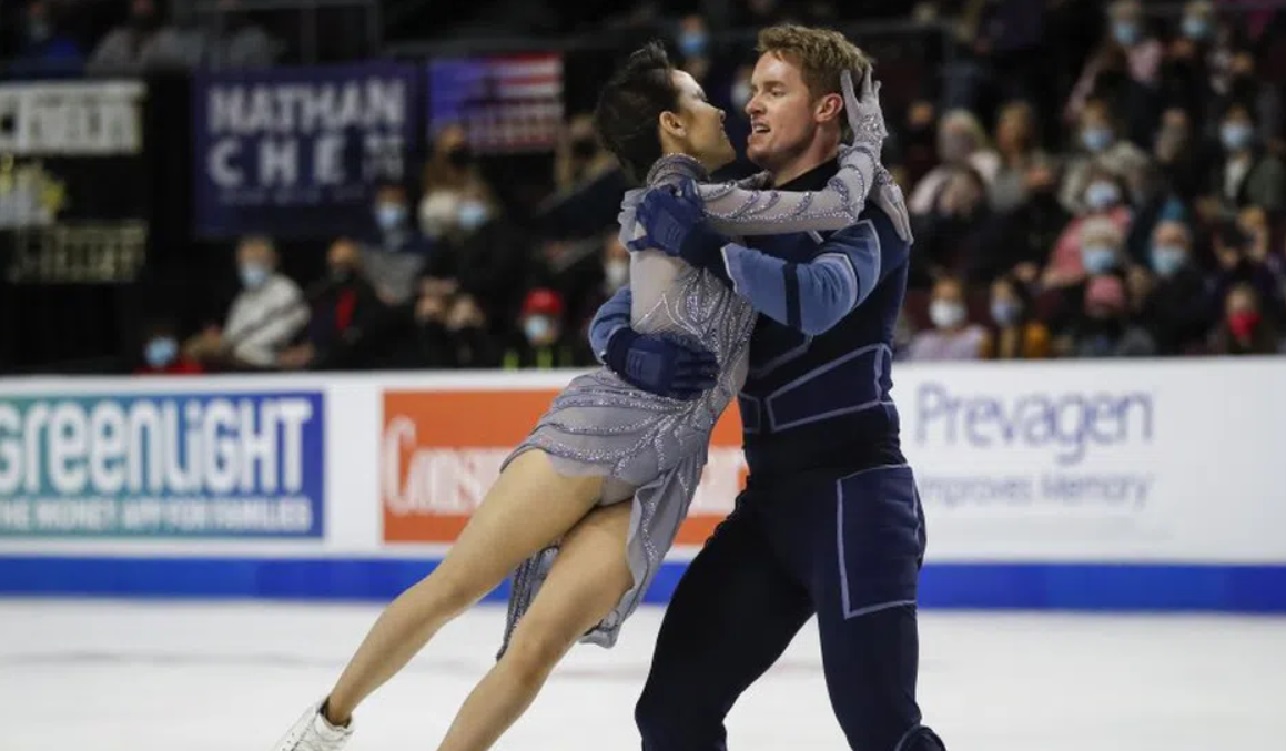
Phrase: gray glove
(866, 118)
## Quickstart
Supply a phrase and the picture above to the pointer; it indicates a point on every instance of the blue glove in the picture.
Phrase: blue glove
(675, 222)
(659, 365)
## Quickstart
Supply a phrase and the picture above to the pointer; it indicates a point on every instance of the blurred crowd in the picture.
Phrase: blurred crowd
(1087, 179)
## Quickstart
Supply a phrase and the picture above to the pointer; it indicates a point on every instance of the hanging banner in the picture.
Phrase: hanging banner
(74, 185)
(296, 152)
(506, 103)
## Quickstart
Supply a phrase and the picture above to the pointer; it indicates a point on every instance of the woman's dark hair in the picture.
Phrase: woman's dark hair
(630, 105)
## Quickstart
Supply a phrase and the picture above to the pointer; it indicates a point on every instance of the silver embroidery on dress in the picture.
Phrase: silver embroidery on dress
(652, 449)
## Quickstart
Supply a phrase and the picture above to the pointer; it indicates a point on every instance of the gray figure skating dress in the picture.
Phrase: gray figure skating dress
(651, 449)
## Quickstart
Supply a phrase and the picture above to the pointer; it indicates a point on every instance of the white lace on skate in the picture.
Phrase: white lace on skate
(313, 733)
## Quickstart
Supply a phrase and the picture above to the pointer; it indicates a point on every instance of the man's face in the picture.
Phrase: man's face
(781, 110)
(253, 252)
(1171, 234)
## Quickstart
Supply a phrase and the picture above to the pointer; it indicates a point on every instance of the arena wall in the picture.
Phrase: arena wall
(1121, 485)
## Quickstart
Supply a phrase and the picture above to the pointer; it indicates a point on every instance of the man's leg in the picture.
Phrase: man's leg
(732, 615)
(865, 583)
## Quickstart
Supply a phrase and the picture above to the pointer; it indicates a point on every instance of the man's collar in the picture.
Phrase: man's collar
(814, 179)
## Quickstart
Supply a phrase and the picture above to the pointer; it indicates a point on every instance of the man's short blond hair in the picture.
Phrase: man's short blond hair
(821, 54)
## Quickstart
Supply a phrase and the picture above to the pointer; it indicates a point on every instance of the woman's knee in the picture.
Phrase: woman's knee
(451, 590)
(537, 645)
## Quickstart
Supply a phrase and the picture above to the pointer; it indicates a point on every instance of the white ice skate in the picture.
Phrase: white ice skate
(313, 733)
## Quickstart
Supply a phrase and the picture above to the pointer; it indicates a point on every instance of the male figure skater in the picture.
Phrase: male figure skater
(830, 521)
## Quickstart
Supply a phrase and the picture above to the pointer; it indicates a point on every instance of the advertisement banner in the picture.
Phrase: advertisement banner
(204, 465)
(506, 103)
(62, 143)
(1093, 462)
(295, 152)
(441, 450)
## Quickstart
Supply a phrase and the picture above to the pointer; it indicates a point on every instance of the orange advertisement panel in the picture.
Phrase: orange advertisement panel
(441, 450)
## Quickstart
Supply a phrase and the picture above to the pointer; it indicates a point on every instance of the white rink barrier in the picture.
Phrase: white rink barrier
(1084, 485)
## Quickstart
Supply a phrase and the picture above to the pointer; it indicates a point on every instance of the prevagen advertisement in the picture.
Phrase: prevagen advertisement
(210, 465)
(1043, 447)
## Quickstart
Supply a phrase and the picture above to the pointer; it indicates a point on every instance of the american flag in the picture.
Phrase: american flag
(508, 103)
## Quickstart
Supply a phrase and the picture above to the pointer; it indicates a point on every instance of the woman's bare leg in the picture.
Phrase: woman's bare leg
(589, 576)
(529, 507)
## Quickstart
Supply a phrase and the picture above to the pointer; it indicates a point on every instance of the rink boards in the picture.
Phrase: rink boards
(1086, 485)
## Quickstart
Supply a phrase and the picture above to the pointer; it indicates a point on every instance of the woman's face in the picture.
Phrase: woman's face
(704, 136)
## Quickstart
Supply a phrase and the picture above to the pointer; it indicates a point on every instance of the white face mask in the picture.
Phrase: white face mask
(439, 213)
(946, 314)
(617, 273)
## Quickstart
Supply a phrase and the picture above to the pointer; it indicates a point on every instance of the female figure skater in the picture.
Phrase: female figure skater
(555, 514)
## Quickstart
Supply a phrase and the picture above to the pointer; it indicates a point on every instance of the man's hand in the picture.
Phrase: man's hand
(661, 366)
(675, 223)
(866, 118)
(865, 115)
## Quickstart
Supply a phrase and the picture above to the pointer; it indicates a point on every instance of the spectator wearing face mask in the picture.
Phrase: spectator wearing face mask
(347, 317)
(952, 337)
(589, 184)
(1247, 174)
(1245, 330)
(1104, 328)
(962, 144)
(542, 343)
(737, 123)
(1019, 241)
(1101, 150)
(1240, 88)
(452, 172)
(1019, 151)
(1092, 242)
(693, 42)
(161, 354)
(952, 240)
(265, 315)
(1199, 23)
(474, 345)
(1186, 72)
(432, 345)
(395, 253)
(913, 146)
(1177, 307)
(1242, 256)
(1128, 40)
(490, 256)
(1181, 159)
(1014, 333)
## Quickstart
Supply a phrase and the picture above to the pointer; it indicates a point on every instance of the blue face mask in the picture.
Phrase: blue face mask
(537, 328)
(390, 216)
(161, 352)
(1236, 136)
(472, 214)
(1126, 33)
(693, 43)
(1005, 312)
(1196, 28)
(1096, 138)
(1098, 259)
(740, 95)
(253, 275)
(1168, 259)
(1102, 195)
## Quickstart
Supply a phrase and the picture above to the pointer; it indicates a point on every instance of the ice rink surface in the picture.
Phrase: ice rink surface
(153, 676)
